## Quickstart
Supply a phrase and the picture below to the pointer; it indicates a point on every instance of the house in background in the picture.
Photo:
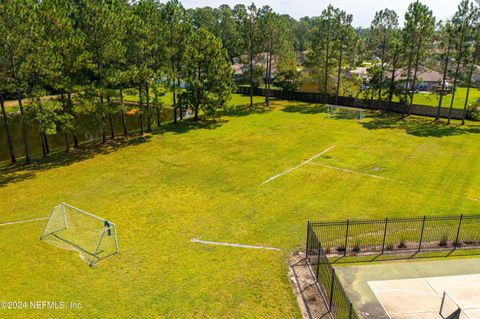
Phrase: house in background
(427, 80)
(476, 77)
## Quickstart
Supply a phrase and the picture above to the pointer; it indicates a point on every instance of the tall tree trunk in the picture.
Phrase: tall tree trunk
(149, 116)
(251, 74)
(197, 97)
(454, 89)
(28, 158)
(415, 72)
(67, 144)
(409, 73)
(337, 92)
(392, 79)
(457, 70)
(43, 136)
(157, 107)
(382, 61)
(13, 159)
(325, 82)
(472, 67)
(124, 116)
(75, 141)
(141, 108)
(70, 110)
(104, 134)
(110, 118)
(444, 80)
(269, 84)
(179, 104)
(174, 99)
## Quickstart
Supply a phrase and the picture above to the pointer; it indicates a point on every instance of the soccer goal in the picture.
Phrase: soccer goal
(344, 112)
(94, 238)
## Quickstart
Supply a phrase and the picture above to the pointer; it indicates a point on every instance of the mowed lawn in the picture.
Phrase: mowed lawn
(430, 99)
(206, 181)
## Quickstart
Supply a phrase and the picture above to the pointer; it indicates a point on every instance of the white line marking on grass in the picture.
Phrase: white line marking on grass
(23, 221)
(299, 165)
(389, 179)
(196, 240)
(356, 172)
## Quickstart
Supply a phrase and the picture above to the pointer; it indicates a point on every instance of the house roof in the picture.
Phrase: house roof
(423, 74)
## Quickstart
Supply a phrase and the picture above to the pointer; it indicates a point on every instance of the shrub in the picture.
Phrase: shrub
(402, 243)
(356, 246)
(443, 240)
(473, 112)
(341, 249)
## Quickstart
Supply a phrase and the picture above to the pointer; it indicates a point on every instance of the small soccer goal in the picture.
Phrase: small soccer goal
(93, 237)
(344, 112)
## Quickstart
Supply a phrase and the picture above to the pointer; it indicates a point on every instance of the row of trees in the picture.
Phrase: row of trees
(333, 44)
(89, 51)
(256, 37)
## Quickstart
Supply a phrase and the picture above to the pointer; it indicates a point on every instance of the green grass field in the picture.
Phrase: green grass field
(205, 181)
(458, 102)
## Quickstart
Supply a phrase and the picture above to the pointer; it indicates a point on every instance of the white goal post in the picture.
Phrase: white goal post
(93, 237)
(345, 112)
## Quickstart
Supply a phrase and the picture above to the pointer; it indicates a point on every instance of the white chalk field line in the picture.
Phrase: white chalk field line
(384, 178)
(299, 165)
(207, 242)
(357, 172)
(23, 221)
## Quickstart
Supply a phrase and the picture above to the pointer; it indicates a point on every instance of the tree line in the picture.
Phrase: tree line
(90, 51)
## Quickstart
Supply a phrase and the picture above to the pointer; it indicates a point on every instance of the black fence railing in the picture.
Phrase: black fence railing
(338, 303)
(394, 235)
(380, 236)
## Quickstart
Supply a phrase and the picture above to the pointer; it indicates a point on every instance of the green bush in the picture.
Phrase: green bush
(472, 112)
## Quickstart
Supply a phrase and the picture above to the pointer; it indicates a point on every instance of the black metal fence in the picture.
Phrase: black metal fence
(338, 303)
(393, 235)
(381, 236)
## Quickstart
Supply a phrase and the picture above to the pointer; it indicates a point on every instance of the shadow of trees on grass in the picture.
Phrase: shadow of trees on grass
(417, 126)
(13, 173)
(305, 108)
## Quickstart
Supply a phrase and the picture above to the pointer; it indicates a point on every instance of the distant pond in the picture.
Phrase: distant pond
(57, 141)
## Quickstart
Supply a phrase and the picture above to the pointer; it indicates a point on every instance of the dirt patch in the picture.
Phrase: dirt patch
(305, 288)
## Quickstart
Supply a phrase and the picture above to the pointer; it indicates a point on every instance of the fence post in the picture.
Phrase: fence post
(308, 237)
(346, 238)
(455, 244)
(384, 235)
(350, 312)
(331, 290)
(318, 259)
(421, 234)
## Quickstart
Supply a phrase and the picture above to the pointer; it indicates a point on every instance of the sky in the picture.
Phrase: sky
(362, 10)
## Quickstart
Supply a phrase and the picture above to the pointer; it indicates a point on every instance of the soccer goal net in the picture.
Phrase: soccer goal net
(94, 238)
(344, 112)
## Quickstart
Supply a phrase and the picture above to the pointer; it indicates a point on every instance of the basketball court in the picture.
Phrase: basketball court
(414, 289)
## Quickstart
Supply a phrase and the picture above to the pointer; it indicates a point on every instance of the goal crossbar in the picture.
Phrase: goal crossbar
(69, 227)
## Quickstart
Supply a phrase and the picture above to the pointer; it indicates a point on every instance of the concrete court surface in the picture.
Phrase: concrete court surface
(412, 289)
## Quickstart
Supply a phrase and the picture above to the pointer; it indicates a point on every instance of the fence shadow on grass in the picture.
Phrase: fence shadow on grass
(422, 127)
